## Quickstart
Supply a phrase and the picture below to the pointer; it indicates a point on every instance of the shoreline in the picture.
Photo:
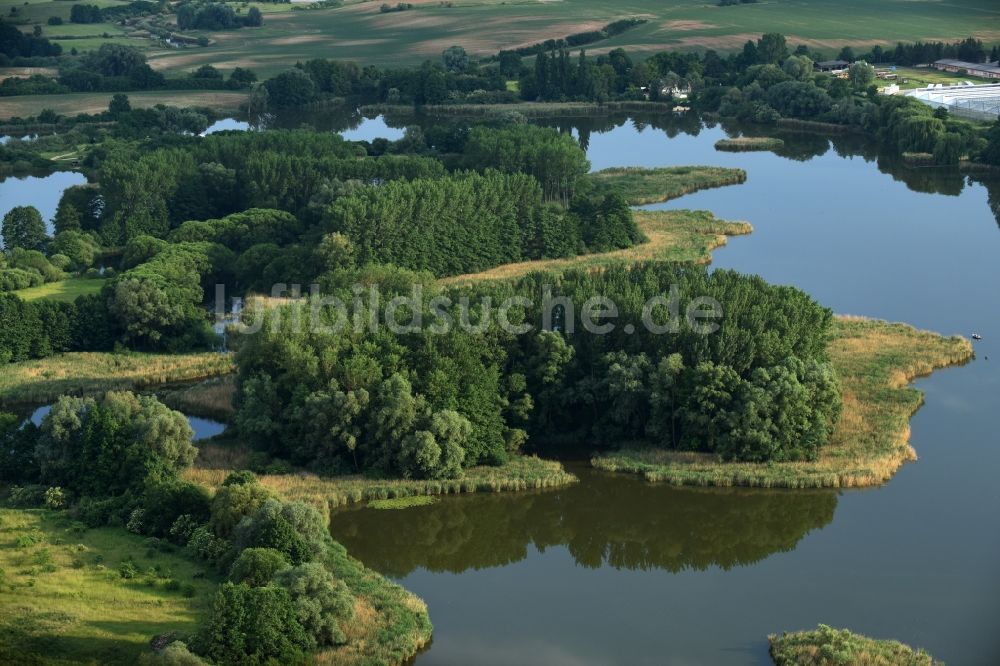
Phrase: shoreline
(877, 361)
(672, 235)
(521, 473)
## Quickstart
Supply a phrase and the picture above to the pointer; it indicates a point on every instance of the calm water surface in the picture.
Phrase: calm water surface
(614, 570)
(203, 428)
(42, 192)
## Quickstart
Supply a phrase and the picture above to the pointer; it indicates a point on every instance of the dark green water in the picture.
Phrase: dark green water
(616, 571)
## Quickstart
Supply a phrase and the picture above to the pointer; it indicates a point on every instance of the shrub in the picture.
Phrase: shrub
(321, 601)
(96, 513)
(174, 654)
(127, 569)
(298, 530)
(30, 539)
(240, 478)
(256, 566)
(232, 503)
(183, 528)
(206, 545)
(164, 503)
(251, 625)
(55, 498)
(134, 523)
(26, 496)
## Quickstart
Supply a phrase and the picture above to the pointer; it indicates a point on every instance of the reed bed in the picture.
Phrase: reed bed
(529, 109)
(212, 398)
(80, 373)
(876, 361)
(643, 186)
(403, 502)
(743, 144)
(796, 125)
(520, 473)
(671, 235)
(815, 647)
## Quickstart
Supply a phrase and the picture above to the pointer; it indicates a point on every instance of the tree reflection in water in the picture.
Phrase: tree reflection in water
(605, 520)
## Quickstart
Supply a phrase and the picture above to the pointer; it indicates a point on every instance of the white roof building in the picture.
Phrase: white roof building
(980, 102)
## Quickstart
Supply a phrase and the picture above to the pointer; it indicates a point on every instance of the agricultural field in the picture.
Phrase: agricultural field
(82, 37)
(73, 103)
(361, 32)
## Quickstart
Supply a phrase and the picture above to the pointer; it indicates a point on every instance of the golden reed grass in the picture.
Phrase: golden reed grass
(876, 362)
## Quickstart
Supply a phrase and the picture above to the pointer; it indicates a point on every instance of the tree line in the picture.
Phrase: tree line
(425, 403)
(116, 460)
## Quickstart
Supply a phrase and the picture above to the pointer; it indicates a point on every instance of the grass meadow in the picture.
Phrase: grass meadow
(671, 235)
(64, 290)
(71, 104)
(876, 362)
(63, 600)
(909, 78)
(46, 379)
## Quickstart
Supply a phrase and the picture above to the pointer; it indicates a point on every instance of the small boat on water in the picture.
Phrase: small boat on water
(976, 336)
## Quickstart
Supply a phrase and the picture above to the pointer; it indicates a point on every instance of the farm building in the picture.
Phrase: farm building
(980, 102)
(832, 65)
(985, 71)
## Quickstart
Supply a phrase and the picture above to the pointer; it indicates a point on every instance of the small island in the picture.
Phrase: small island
(825, 645)
(743, 144)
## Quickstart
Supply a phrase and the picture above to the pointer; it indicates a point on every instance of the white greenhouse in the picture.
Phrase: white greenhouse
(979, 102)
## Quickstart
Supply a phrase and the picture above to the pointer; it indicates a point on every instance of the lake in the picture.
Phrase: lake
(614, 570)
(42, 192)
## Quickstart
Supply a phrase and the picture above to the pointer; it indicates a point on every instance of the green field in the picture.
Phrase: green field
(82, 37)
(920, 77)
(362, 33)
(74, 103)
(63, 290)
(359, 31)
(64, 601)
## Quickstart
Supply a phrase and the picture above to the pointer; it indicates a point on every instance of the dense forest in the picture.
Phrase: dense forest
(255, 209)
(428, 399)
